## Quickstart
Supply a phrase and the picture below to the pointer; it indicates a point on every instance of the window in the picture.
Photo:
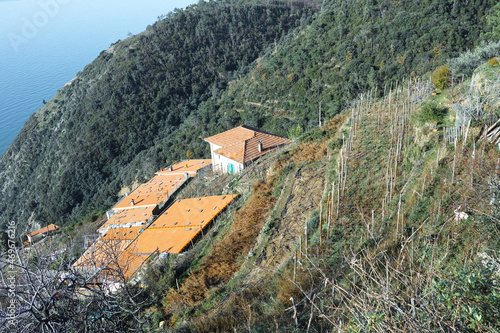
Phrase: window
(230, 168)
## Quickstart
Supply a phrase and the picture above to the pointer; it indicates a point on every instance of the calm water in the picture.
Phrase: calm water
(44, 43)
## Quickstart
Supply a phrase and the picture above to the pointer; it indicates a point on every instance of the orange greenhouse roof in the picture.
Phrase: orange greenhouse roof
(152, 193)
(114, 253)
(127, 263)
(122, 251)
(173, 240)
(189, 166)
(101, 253)
(241, 143)
(174, 230)
(192, 212)
(126, 216)
(129, 233)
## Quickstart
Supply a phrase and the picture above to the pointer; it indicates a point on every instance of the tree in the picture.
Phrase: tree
(493, 21)
(50, 296)
(441, 77)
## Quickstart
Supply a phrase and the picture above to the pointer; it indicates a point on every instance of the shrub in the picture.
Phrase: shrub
(441, 77)
(493, 62)
(430, 112)
(412, 157)
(467, 62)
(470, 298)
(294, 132)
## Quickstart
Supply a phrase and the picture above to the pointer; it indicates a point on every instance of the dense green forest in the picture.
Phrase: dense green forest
(147, 100)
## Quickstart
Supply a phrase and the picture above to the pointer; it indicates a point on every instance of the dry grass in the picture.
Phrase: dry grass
(225, 259)
(310, 151)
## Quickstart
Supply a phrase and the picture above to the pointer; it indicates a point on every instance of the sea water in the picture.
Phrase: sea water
(45, 43)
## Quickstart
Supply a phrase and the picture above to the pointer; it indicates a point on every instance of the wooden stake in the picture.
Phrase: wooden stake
(305, 238)
(466, 134)
(320, 223)
(300, 245)
(454, 162)
(295, 266)
(473, 163)
(319, 114)
(397, 221)
(338, 200)
(373, 219)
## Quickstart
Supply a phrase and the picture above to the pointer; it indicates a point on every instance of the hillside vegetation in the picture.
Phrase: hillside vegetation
(380, 224)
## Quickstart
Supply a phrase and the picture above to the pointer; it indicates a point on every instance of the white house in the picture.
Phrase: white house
(233, 150)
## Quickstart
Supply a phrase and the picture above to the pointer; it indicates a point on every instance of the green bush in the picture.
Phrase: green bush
(412, 157)
(471, 298)
(430, 112)
(441, 77)
(467, 62)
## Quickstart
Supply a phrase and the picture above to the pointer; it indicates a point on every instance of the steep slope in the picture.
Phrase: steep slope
(73, 156)
(403, 238)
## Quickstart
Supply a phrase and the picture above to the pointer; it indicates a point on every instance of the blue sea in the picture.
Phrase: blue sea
(45, 43)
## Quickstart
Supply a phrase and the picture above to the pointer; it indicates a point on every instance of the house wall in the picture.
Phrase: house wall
(214, 147)
(221, 163)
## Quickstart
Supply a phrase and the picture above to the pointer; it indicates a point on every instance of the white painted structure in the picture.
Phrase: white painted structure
(222, 163)
(234, 149)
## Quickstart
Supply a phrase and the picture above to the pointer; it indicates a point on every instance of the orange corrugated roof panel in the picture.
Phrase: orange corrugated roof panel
(128, 233)
(127, 263)
(101, 253)
(241, 143)
(152, 193)
(114, 252)
(189, 166)
(173, 240)
(126, 216)
(174, 230)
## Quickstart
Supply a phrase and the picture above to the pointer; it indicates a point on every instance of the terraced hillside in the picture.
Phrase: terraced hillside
(364, 230)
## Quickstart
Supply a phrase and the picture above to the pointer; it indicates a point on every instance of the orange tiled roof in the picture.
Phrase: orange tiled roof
(241, 143)
(189, 166)
(50, 227)
(155, 191)
(232, 136)
(174, 230)
(126, 216)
